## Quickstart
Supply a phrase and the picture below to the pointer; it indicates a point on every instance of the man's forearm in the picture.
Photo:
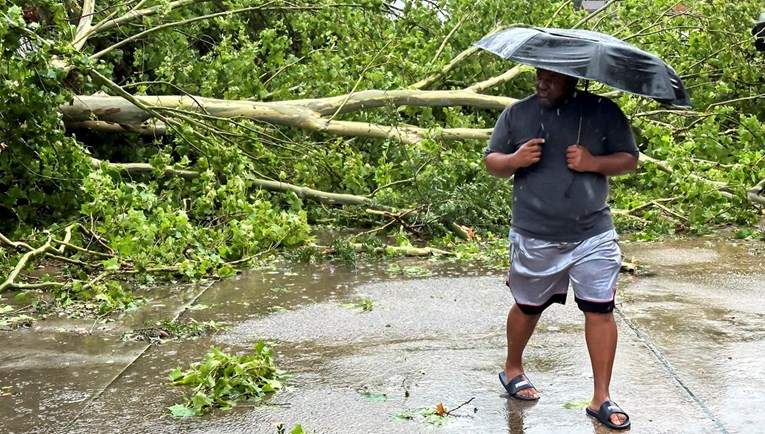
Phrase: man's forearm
(616, 164)
(501, 165)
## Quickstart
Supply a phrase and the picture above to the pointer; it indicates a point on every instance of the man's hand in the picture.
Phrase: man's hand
(529, 153)
(505, 165)
(579, 159)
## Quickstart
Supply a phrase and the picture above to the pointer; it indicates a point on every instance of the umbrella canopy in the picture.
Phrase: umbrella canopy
(591, 56)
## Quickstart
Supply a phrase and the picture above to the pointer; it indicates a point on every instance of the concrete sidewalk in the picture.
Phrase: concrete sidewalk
(689, 358)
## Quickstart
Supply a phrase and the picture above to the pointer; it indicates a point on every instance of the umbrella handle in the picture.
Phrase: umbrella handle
(581, 114)
(579, 133)
(567, 193)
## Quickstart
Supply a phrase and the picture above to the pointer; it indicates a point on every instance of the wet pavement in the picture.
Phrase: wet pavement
(689, 358)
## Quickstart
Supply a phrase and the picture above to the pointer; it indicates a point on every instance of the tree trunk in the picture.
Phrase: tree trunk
(304, 114)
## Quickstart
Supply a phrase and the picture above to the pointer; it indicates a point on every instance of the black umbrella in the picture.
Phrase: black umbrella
(591, 56)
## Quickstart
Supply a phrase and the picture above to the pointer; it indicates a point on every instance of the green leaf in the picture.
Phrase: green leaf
(375, 397)
(577, 405)
(111, 264)
(404, 415)
(221, 380)
(180, 410)
(176, 374)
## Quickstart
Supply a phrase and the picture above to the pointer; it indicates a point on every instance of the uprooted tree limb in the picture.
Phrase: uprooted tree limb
(116, 114)
(135, 114)
(153, 115)
(305, 114)
(163, 115)
(53, 249)
(283, 187)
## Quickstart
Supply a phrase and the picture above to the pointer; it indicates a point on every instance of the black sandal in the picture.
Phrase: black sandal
(520, 382)
(603, 415)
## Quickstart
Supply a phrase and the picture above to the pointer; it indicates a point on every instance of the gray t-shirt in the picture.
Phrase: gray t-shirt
(550, 201)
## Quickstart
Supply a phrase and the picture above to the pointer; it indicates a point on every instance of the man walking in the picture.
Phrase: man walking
(561, 145)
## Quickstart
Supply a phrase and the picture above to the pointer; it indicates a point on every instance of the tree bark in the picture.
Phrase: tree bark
(303, 114)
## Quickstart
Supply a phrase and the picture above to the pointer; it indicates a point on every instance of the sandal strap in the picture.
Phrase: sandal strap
(521, 382)
(610, 407)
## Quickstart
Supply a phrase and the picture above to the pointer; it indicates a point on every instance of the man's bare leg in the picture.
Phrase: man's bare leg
(601, 334)
(519, 329)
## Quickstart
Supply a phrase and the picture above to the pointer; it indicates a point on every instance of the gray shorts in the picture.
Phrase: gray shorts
(540, 272)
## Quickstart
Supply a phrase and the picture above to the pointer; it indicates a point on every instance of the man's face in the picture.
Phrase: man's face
(552, 86)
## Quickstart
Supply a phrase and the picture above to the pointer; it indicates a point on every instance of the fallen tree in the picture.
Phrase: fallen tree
(116, 114)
